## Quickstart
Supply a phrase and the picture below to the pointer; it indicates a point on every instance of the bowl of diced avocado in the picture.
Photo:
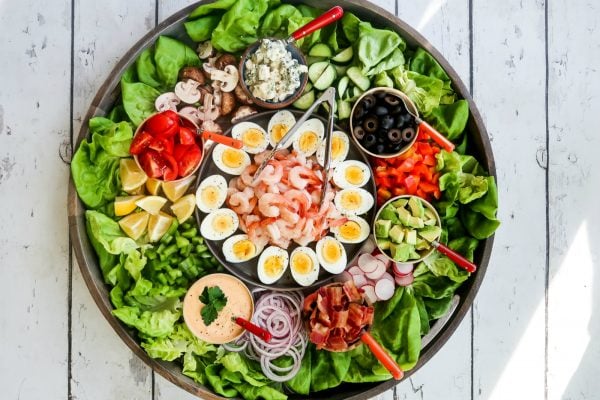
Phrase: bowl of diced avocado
(404, 228)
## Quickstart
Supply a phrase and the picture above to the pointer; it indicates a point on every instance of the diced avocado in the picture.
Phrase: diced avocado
(415, 222)
(430, 233)
(397, 234)
(389, 213)
(430, 222)
(382, 228)
(400, 252)
(411, 237)
(416, 207)
(413, 255)
(429, 214)
(383, 244)
(404, 215)
(400, 203)
(422, 244)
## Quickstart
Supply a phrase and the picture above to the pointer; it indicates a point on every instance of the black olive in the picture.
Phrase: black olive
(380, 148)
(381, 139)
(381, 95)
(369, 140)
(408, 134)
(395, 135)
(392, 100)
(381, 110)
(359, 112)
(368, 101)
(371, 123)
(387, 121)
(399, 109)
(359, 132)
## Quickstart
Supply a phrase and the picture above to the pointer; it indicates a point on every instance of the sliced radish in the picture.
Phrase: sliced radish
(366, 262)
(384, 289)
(356, 271)
(369, 293)
(387, 276)
(377, 272)
(359, 280)
(344, 277)
(384, 258)
(404, 280)
(368, 246)
(401, 269)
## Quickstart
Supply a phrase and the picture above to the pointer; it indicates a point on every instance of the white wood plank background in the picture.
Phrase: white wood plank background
(532, 67)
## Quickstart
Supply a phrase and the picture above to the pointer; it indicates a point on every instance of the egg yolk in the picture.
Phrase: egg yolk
(273, 265)
(337, 147)
(302, 263)
(354, 175)
(278, 131)
(351, 200)
(350, 230)
(243, 249)
(222, 223)
(252, 137)
(308, 141)
(232, 158)
(331, 251)
(210, 195)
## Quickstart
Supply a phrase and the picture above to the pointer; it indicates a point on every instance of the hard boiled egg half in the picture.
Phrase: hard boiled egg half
(229, 160)
(219, 224)
(354, 230)
(239, 248)
(304, 266)
(354, 201)
(339, 149)
(279, 124)
(272, 263)
(253, 137)
(331, 255)
(309, 137)
(351, 174)
(211, 193)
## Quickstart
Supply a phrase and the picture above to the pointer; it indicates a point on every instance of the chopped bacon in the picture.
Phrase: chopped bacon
(336, 340)
(368, 316)
(353, 333)
(335, 296)
(352, 292)
(355, 316)
(309, 302)
(319, 335)
(339, 319)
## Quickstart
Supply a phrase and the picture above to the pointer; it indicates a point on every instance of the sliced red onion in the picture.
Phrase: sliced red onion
(404, 280)
(384, 289)
(403, 269)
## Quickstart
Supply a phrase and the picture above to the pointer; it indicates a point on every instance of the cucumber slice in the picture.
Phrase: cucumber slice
(316, 70)
(344, 109)
(305, 101)
(340, 69)
(320, 50)
(342, 86)
(358, 78)
(353, 94)
(326, 79)
(344, 55)
(310, 60)
(308, 87)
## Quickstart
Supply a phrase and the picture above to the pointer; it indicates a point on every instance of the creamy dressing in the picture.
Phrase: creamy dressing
(222, 329)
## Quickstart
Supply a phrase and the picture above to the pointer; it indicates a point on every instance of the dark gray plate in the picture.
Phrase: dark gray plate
(247, 271)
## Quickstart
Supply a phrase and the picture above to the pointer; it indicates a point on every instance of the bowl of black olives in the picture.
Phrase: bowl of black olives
(383, 122)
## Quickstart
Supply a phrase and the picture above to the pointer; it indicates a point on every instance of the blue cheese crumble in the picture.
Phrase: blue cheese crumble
(271, 73)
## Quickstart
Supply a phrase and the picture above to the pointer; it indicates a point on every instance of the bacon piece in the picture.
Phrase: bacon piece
(335, 295)
(339, 319)
(368, 316)
(319, 335)
(336, 340)
(352, 292)
(310, 303)
(355, 315)
(353, 333)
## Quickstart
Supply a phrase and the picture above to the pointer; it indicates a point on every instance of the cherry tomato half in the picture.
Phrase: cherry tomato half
(165, 123)
(171, 167)
(152, 163)
(140, 142)
(189, 160)
(186, 135)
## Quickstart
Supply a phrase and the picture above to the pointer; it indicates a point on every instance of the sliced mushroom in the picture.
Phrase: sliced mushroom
(227, 78)
(224, 60)
(241, 95)
(211, 126)
(209, 110)
(208, 68)
(167, 101)
(243, 112)
(192, 113)
(205, 50)
(187, 91)
(193, 73)
(217, 97)
(228, 103)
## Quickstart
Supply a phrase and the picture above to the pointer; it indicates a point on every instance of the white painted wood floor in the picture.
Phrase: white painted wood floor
(532, 66)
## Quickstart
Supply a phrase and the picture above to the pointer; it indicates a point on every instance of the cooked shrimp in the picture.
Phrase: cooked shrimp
(269, 204)
(301, 176)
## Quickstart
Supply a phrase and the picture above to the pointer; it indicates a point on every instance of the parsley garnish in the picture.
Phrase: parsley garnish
(214, 300)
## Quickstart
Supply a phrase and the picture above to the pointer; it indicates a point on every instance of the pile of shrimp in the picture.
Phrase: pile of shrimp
(282, 205)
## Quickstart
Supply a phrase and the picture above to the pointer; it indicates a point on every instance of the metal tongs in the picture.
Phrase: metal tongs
(329, 97)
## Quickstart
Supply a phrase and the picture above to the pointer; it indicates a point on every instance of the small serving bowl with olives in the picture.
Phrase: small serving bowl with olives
(383, 122)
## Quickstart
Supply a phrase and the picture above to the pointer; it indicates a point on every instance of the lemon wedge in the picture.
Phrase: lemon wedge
(175, 189)
(152, 204)
(132, 176)
(184, 207)
(153, 186)
(125, 204)
(158, 225)
(134, 225)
